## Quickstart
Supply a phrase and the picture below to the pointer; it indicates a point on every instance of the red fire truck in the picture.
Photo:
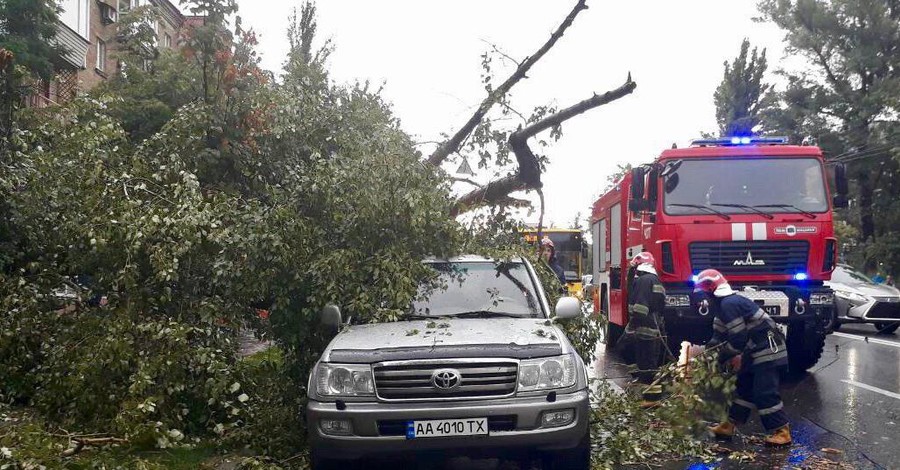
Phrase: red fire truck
(756, 209)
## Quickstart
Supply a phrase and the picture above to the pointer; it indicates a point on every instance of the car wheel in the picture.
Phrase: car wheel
(578, 458)
(887, 328)
(318, 463)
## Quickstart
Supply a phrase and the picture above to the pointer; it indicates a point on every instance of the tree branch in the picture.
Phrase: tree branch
(453, 143)
(465, 180)
(528, 175)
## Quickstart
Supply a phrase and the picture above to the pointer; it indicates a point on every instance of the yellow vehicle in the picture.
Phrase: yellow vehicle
(570, 251)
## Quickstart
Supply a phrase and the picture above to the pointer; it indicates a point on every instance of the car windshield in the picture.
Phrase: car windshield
(482, 288)
(746, 186)
(849, 276)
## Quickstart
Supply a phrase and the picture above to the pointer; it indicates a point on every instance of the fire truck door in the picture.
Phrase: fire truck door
(616, 291)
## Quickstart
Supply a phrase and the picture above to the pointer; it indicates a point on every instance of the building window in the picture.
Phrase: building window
(108, 14)
(168, 41)
(76, 14)
(101, 55)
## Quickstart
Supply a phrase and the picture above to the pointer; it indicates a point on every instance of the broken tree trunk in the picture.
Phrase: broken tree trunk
(528, 175)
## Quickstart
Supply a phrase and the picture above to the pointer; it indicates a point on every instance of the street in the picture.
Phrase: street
(849, 402)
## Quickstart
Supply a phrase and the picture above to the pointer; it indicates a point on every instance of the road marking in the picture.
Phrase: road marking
(882, 342)
(872, 389)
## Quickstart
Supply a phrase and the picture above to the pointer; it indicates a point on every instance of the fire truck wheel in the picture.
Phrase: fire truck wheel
(887, 328)
(805, 345)
(612, 333)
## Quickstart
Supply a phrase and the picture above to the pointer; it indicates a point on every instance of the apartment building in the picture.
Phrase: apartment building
(88, 29)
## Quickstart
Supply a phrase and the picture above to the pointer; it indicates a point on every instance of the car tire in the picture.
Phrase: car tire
(578, 458)
(887, 328)
(805, 344)
(319, 463)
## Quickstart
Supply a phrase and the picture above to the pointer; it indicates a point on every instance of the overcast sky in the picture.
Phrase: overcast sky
(428, 56)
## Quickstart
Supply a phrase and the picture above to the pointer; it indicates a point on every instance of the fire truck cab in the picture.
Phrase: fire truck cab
(756, 209)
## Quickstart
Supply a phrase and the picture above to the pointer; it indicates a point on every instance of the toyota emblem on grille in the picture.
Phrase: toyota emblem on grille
(445, 379)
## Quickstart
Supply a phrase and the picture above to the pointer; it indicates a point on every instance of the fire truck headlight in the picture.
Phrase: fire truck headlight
(678, 301)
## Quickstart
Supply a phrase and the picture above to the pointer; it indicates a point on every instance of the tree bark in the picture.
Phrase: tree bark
(453, 144)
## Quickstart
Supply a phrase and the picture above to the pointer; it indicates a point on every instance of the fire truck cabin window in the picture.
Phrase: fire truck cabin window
(727, 184)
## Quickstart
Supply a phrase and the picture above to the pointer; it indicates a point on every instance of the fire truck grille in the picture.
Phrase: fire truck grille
(751, 257)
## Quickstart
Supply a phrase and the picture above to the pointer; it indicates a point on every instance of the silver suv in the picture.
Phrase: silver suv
(477, 367)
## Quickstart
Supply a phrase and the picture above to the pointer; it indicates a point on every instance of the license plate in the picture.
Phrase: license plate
(772, 310)
(447, 428)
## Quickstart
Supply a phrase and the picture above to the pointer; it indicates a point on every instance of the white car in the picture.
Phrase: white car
(859, 300)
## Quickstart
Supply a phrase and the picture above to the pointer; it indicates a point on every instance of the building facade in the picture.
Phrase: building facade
(88, 30)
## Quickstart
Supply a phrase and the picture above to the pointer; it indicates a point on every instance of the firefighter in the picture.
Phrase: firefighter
(548, 252)
(750, 342)
(646, 301)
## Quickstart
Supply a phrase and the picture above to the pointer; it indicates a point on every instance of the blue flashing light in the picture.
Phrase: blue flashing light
(801, 277)
(736, 140)
(695, 278)
(745, 140)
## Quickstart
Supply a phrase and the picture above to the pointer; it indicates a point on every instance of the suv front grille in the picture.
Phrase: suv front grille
(413, 380)
(751, 257)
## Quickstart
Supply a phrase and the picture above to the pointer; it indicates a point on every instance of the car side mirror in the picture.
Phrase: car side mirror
(568, 307)
(330, 318)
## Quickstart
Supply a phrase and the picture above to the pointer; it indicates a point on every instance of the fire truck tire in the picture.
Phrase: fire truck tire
(805, 344)
(887, 328)
(612, 333)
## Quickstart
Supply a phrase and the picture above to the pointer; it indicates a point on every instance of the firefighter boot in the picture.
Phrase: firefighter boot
(781, 437)
(723, 430)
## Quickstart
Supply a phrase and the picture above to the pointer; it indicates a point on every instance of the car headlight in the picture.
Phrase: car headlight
(821, 298)
(344, 380)
(547, 373)
(851, 296)
(678, 301)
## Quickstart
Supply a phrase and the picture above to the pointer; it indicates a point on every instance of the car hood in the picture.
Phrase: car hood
(520, 338)
(871, 290)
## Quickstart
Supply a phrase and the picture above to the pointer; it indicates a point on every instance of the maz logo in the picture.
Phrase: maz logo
(749, 261)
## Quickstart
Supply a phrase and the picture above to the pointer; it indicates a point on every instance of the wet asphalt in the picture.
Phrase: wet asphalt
(845, 412)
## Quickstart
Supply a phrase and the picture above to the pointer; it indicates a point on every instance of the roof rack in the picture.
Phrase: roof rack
(738, 141)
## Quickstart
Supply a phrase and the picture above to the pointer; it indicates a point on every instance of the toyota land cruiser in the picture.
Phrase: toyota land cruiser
(478, 367)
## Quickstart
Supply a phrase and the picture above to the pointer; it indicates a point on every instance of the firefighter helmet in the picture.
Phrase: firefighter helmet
(714, 282)
(644, 257)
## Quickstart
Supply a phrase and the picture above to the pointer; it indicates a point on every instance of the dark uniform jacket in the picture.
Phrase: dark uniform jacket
(741, 327)
(647, 295)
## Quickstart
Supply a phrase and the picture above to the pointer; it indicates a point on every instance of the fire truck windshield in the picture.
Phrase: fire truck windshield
(746, 186)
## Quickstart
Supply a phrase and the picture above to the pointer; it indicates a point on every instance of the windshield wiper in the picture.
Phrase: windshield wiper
(485, 314)
(789, 206)
(749, 208)
(698, 206)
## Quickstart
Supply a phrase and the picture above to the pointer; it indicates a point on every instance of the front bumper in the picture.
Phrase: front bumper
(822, 314)
(521, 418)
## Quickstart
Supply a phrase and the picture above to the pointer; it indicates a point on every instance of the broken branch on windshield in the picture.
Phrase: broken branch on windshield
(454, 143)
(528, 175)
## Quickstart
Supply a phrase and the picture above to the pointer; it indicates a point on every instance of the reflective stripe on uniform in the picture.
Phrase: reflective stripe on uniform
(766, 355)
(768, 411)
(735, 322)
(719, 326)
(646, 332)
(744, 403)
(642, 309)
(659, 289)
(737, 328)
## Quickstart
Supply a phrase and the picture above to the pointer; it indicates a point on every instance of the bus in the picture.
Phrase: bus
(570, 250)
